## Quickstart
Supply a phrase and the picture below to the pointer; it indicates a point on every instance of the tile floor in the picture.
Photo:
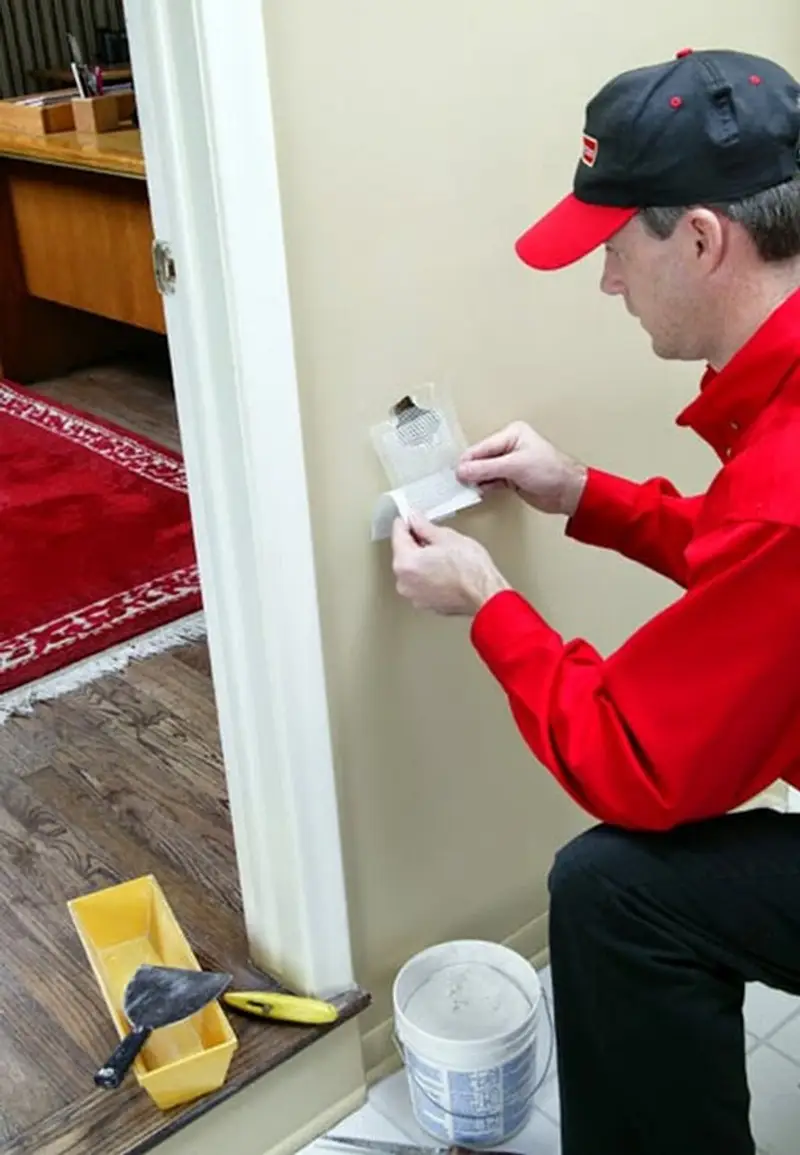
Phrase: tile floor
(773, 1045)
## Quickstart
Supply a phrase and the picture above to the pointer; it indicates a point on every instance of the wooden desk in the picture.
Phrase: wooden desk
(76, 273)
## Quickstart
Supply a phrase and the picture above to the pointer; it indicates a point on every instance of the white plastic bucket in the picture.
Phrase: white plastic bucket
(467, 1017)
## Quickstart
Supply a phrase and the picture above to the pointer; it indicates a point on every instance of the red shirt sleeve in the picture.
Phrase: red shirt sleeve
(686, 719)
(648, 522)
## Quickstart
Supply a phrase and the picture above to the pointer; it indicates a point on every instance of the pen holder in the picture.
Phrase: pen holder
(37, 114)
(95, 114)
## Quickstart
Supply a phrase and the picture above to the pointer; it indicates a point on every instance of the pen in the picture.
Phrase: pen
(85, 78)
(76, 72)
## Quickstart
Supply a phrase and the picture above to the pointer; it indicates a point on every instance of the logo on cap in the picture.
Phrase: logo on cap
(590, 147)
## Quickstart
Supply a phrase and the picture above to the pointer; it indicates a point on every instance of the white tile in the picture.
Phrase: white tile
(775, 1111)
(540, 1137)
(367, 1123)
(766, 1009)
(787, 1038)
(547, 1099)
(391, 1098)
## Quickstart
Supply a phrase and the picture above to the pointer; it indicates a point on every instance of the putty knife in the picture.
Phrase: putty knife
(157, 997)
(384, 1147)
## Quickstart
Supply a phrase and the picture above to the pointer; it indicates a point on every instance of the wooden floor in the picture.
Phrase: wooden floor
(121, 779)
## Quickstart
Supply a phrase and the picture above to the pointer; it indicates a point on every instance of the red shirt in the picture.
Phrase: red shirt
(699, 710)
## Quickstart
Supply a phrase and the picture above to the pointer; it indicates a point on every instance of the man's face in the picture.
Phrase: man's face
(663, 284)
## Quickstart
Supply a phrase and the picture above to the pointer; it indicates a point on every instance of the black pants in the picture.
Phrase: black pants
(653, 937)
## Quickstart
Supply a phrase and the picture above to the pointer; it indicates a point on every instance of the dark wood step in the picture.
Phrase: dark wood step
(117, 780)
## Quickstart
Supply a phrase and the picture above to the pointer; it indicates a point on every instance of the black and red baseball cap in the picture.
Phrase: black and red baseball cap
(707, 127)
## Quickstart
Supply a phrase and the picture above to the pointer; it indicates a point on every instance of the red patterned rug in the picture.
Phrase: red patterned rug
(97, 560)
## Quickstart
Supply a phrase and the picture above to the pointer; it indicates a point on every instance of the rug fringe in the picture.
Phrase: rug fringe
(23, 699)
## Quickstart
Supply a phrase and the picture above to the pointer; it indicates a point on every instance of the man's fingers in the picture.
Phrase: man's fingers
(423, 531)
(488, 472)
(495, 445)
(488, 461)
(403, 540)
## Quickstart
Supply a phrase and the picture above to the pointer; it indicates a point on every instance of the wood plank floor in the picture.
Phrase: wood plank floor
(120, 779)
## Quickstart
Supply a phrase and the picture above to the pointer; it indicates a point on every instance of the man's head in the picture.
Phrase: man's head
(690, 176)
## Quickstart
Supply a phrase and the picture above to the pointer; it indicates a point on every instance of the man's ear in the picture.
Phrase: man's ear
(707, 234)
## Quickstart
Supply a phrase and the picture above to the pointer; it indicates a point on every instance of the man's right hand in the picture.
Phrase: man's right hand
(521, 459)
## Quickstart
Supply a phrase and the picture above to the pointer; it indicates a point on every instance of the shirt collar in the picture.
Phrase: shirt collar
(730, 400)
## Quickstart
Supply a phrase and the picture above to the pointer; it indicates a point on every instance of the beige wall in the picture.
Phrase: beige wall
(417, 138)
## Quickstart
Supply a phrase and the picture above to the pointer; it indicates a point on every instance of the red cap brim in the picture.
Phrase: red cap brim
(570, 231)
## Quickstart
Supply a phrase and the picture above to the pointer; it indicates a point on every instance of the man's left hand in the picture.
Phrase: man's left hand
(441, 570)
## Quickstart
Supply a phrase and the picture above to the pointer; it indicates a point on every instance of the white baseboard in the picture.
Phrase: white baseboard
(531, 941)
(381, 1057)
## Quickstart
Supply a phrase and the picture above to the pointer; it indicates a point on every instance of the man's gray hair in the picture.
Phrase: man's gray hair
(771, 218)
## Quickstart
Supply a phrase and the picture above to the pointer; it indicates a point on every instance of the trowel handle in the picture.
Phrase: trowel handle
(110, 1075)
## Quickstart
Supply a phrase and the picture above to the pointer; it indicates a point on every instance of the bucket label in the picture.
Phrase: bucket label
(480, 1093)
(484, 1107)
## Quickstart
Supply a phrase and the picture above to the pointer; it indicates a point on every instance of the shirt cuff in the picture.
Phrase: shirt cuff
(606, 504)
(503, 627)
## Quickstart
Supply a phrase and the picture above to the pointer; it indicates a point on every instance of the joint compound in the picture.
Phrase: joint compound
(468, 1001)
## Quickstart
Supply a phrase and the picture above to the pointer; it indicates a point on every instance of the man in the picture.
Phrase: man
(662, 913)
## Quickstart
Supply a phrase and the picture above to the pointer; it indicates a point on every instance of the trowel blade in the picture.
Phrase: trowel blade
(157, 996)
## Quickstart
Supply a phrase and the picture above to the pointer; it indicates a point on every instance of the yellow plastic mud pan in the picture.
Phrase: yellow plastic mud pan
(122, 927)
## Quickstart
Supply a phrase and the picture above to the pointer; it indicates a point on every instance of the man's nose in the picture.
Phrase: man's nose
(611, 282)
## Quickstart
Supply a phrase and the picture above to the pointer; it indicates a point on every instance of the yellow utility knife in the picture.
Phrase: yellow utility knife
(287, 1008)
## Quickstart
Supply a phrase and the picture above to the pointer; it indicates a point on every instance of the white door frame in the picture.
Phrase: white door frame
(202, 85)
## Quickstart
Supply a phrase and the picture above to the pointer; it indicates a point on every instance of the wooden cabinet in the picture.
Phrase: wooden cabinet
(85, 241)
(76, 271)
